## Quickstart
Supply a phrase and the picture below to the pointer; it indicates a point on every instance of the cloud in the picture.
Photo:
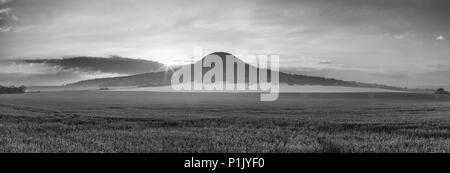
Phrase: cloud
(18, 73)
(399, 36)
(5, 28)
(9, 67)
(105, 65)
(5, 10)
(326, 62)
(4, 1)
(7, 20)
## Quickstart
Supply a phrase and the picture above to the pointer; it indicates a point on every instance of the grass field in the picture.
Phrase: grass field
(112, 121)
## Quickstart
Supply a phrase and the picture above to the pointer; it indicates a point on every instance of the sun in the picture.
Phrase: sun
(169, 64)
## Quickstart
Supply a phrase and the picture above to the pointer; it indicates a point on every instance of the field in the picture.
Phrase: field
(126, 121)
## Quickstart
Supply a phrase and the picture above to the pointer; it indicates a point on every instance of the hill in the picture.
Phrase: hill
(164, 78)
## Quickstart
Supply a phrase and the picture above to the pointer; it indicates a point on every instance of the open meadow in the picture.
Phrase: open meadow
(138, 121)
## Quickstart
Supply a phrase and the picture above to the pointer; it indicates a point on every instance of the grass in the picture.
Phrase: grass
(237, 123)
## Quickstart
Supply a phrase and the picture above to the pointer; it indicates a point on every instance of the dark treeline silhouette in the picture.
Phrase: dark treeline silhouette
(441, 91)
(12, 89)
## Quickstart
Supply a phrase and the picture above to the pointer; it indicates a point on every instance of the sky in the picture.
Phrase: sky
(394, 42)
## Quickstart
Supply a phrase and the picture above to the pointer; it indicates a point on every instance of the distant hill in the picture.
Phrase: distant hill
(434, 87)
(106, 65)
(164, 78)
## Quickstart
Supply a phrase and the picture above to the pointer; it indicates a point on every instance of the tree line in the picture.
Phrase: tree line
(12, 89)
(441, 91)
